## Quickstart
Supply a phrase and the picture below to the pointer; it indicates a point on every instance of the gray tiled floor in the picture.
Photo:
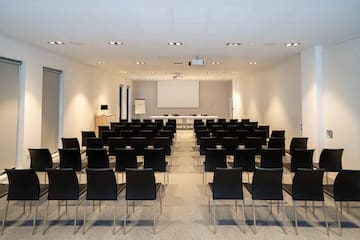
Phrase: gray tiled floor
(185, 213)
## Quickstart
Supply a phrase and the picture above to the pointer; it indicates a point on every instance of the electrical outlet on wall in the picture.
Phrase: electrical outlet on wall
(329, 133)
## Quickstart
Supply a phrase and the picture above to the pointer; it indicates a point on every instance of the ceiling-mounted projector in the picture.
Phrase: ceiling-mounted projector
(198, 62)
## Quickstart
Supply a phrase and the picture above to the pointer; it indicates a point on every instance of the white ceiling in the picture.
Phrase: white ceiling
(204, 26)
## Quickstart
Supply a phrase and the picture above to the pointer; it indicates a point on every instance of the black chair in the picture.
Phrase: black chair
(245, 159)
(307, 185)
(277, 142)
(202, 133)
(125, 158)
(24, 186)
(278, 133)
(254, 142)
(93, 142)
(271, 158)
(70, 143)
(259, 133)
(227, 185)
(155, 158)
(230, 144)
(101, 186)
(85, 135)
(140, 186)
(64, 186)
(299, 143)
(242, 135)
(149, 134)
(116, 142)
(266, 185)
(301, 158)
(214, 158)
(126, 134)
(159, 122)
(70, 158)
(97, 158)
(265, 128)
(346, 188)
(166, 133)
(40, 160)
(163, 142)
(102, 129)
(139, 144)
(207, 142)
(106, 135)
(331, 161)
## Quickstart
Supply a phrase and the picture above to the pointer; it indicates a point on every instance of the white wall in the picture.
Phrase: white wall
(84, 89)
(272, 96)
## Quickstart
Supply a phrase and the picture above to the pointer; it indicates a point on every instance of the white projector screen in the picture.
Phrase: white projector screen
(178, 94)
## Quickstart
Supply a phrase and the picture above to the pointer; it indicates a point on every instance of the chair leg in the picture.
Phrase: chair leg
(283, 215)
(126, 213)
(243, 211)
(326, 222)
(46, 215)
(24, 206)
(114, 223)
(76, 215)
(35, 216)
(235, 206)
(85, 215)
(58, 208)
(295, 220)
(214, 215)
(338, 216)
(154, 216)
(5, 215)
(160, 198)
(254, 216)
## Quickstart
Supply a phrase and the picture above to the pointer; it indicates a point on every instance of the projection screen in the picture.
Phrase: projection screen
(178, 94)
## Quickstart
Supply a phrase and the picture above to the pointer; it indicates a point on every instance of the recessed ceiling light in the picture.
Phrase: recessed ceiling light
(140, 63)
(252, 63)
(175, 43)
(115, 43)
(215, 63)
(235, 72)
(56, 42)
(291, 44)
(123, 72)
(233, 44)
(101, 62)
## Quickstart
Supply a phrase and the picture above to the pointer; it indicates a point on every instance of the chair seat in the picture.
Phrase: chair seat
(211, 186)
(329, 190)
(3, 189)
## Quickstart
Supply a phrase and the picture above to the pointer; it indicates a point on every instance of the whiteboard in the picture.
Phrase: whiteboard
(178, 94)
(140, 106)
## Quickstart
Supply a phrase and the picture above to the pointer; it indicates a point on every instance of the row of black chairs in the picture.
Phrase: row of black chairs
(64, 186)
(267, 184)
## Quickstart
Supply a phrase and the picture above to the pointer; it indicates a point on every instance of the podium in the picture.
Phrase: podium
(101, 120)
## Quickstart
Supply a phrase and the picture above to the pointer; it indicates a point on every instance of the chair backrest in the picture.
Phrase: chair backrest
(93, 142)
(267, 184)
(70, 158)
(259, 133)
(101, 184)
(214, 158)
(271, 158)
(106, 135)
(266, 128)
(163, 142)
(206, 142)
(230, 144)
(23, 184)
(278, 133)
(242, 134)
(101, 129)
(97, 158)
(254, 142)
(40, 159)
(85, 135)
(116, 142)
(70, 143)
(140, 184)
(245, 159)
(301, 158)
(125, 158)
(227, 183)
(298, 142)
(139, 144)
(127, 134)
(277, 142)
(63, 184)
(308, 185)
(347, 185)
(331, 159)
(155, 158)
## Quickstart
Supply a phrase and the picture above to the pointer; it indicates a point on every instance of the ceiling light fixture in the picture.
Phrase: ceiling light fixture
(252, 63)
(140, 63)
(56, 42)
(101, 62)
(235, 72)
(115, 43)
(291, 44)
(175, 43)
(215, 63)
(233, 44)
(123, 72)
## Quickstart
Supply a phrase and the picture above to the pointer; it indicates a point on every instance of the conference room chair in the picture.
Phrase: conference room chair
(135, 128)
(230, 144)
(227, 185)
(199, 127)
(116, 142)
(245, 159)
(266, 186)
(93, 142)
(166, 133)
(220, 134)
(155, 159)
(265, 128)
(141, 186)
(70, 143)
(209, 122)
(206, 142)
(105, 136)
(214, 158)
(85, 135)
(254, 142)
(331, 161)
(135, 121)
(101, 129)
(118, 128)
(24, 186)
(70, 158)
(233, 121)
(221, 120)
(232, 129)
(301, 158)
(139, 144)
(245, 120)
(259, 133)
(278, 133)
(155, 128)
(113, 125)
(159, 123)
(277, 142)
(63, 186)
(271, 158)
(97, 158)
(149, 134)
(125, 158)
(242, 135)
(346, 188)
(307, 185)
(202, 133)
(249, 127)
(198, 122)
(297, 142)
(163, 142)
(40, 160)
(147, 121)
(102, 186)
(126, 134)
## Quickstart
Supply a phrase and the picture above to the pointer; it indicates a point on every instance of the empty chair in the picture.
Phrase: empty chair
(298, 142)
(227, 185)
(277, 142)
(346, 188)
(163, 142)
(242, 135)
(116, 142)
(220, 134)
(135, 121)
(126, 134)
(221, 120)
(147, 121)
(245, 159)
(266, 185)
(278, 133)
(63, 185)
(233, 121)
(166, 133)
(23, 186)
(70, 158)
(207, 142)
(202, 133)
(159, 122)
(106, 135)
(155, 159)
(40, 160)
(97, 158)
(271, 158)
(101, 186)
(85, 135)
(265, 128)
(139, 144)
(101, 129)
(94, 143)
(70, 143)
(214, 158)
(331, 160)
(230, 144)
(254, 142)
(307, 186)
(125, 158)
(149, 134)
(259, 133)
(301, 158)
(141, 186)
